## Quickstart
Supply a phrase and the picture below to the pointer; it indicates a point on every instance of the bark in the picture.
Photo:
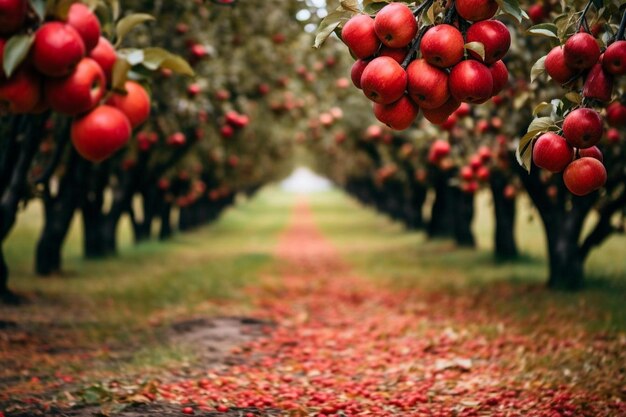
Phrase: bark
(505, 246)
(166, 221)
(464, 215)
(442, 216)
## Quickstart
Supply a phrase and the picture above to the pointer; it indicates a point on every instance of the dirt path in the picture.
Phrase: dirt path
(343, 346)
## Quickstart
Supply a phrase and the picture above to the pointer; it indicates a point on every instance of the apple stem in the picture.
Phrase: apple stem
(414, 47)
(583, 20)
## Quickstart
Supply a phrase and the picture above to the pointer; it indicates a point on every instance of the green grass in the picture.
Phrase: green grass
(381, 249)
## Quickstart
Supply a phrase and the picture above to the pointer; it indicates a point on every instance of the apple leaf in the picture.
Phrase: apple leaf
(538, 68)
(548, 30)
(373, 6)
(541, 124)
(39, 6)
(524, 152)
(15, 51)
(350, 5)
(477, 47)
(63, 8)
(330, 23)
(511, 8)
(120, 73)
(541, 107)
(155, 58)
(127, 24)
(574, 97)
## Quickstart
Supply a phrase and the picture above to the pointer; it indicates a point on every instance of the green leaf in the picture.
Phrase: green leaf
(477, 47)
(128, 23)
(511, 8)
(538, 68)
(155, 58)
(541, 124)
(574, 97)
(541, 107)
(548, 30)
(39, 6)
(120, 74)
(15, 51)
(63, 8)
(329, 24)
(524, 153)
(350, 5)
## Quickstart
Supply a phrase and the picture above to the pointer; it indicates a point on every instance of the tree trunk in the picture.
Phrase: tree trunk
(93, 243)
(505, 247)
(463, 218)
(6, 295)
(442, 216)
(166, 221)
(566, 262)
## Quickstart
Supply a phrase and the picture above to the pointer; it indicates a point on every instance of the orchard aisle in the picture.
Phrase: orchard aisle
(343, 346)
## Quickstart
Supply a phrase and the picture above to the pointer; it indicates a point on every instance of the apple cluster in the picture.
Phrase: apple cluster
(443, 76)
(68, 70)
(232, 121)
(574, 152)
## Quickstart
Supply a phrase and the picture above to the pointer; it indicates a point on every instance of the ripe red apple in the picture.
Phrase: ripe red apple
(236, 120)
(581, 51)
(227, 131)
(557, 68)
(471, 81)
(12, 15)
(79, 92)
(538, 12)
(263, 89)
(21, 93)
(198, 51)
(483, 174)
(614, 59)
(86, 23)
(135, 104)
(476, 10)
(612, 135)
(57, 49)
(484, 153)
(357, 71)
(494, 36)
(194, 89)
(359, 34)
(104, 54)
(222, 95)
(427, 84)
(438, 149)
(616, 114)
(176, 140)
(552, 152)
(396, 53)
(466, 173)
(383, 80)
(583, 128)
(464, 110)
(440, 115)
(593, 152)
(442, 46)
(395, 25)
(598, 84)
(398, 115)
(584, 176)
(469, 187)
(500, 75)
(100, 133)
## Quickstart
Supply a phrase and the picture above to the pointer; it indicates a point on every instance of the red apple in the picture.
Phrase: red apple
(383, 80)
(198, 51)
(104, 54)
(222, 95)
(442, 46)
(538, 13)
(395, 25)
(100, 133)
(471, 81)
(176, 140)
(135, 104)
(583, 128)
(552, 152)
(466, 173)
(398, 115)
(614, 59)
(484, 153)
(57, 49)
(22, 92)
(557, 68)
(86, 23)
(612, 135)
(598, 84)
(449, 123)
(616, 114)
(438, 149)
(494, 36)
(440, 115)
(427, 84)
(396, 53)
(593, 152)
(193, 89)
(581, 51)
(469, 187)
(227, 131)
(464, 110)
(584, 176)
(476, 10)
(357, 71)
(79, 92)
(483, 174)
(500, 75)
(12, 15)
(359, 34)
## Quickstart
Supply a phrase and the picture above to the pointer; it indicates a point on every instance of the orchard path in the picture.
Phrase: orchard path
(343, 346)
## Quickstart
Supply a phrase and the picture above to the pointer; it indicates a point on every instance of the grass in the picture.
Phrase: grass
(126, 300)
(381, 249)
